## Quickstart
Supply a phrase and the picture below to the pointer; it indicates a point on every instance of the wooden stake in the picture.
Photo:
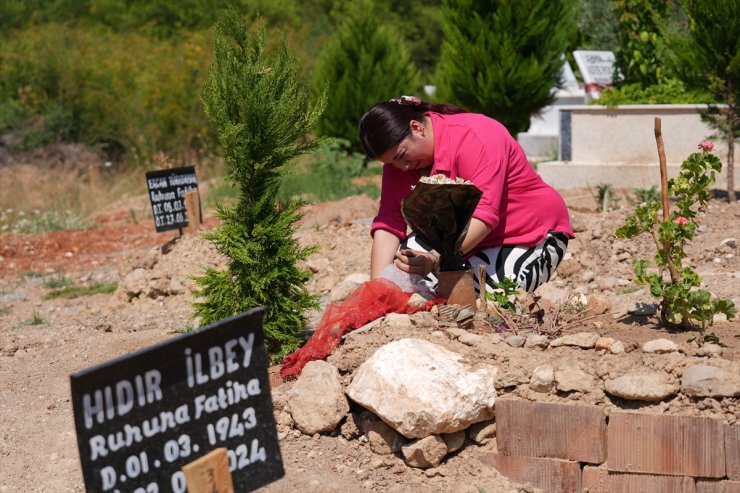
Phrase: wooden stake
(192, 205)
(482, 273)
(663, 169)
(664, 191)
(210, 473)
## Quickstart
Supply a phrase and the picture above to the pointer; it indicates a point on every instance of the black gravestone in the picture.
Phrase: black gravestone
(141, 417)
(167, 189)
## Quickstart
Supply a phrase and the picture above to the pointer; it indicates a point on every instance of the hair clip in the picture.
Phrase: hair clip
(407, 101)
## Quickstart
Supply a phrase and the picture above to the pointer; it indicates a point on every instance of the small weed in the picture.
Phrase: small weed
(59, 282)
(34, 320)
(71, 292)
(643, 195)
(31, 274)
(132, 217)
(628, 290)
(5, 311)
(603, 196)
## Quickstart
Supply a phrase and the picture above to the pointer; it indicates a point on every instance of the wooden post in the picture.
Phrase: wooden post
(663, 169)
(482, 273)
(664, 191)
(192, 205)
(210, 473)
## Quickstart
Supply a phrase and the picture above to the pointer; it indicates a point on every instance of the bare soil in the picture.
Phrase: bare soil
(43, 341)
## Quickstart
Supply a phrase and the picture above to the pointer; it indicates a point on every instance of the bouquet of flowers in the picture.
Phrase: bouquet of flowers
(439, 210)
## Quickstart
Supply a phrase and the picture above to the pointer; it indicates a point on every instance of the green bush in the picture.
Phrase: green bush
(261, 113)
(637, 59)
(363, 63)
(327, 174)
(114, 91)
(670, 91)
(503, 58)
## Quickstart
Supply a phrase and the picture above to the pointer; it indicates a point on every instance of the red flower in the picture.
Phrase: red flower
(706, 146)
(682, 220)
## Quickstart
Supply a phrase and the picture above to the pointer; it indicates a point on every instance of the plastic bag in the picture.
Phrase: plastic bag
(409, 283)
(371, 300)
(440, 213)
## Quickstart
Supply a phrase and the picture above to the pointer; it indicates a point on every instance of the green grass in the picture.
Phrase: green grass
(628, 290)
(58, 282)
(5, 311)
(35, 320)
(31, 274)
(71, 292)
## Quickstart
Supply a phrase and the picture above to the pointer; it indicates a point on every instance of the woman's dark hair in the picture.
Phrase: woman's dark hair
(386, 124)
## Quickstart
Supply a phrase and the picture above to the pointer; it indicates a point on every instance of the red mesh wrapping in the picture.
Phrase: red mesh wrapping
(371, 300)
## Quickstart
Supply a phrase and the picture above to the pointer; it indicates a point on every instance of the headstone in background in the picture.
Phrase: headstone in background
(167, 189)
(540, 141)
(597, 70)
(142, 417)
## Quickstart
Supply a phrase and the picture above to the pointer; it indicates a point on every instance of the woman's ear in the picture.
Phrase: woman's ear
(416, 128)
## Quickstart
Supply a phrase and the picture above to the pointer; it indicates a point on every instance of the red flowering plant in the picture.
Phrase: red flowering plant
(681, 298)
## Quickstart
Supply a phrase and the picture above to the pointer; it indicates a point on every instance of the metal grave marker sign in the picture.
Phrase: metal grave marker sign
(167, 189)
(141, 417)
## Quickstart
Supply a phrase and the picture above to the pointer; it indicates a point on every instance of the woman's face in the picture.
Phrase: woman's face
(415, 152)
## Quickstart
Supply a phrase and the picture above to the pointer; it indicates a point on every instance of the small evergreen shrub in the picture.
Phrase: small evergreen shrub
(261, 114)
(502, 59)
(364, 62)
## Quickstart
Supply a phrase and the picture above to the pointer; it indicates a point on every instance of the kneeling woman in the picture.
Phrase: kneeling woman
(520, 228)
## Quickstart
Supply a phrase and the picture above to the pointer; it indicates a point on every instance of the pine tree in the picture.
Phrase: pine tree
(364, 62)
(709, 58)
(502, 58)
(261, 114)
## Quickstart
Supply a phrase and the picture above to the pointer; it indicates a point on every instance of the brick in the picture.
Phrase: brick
(717, 486)
(594, 479)
(677, 445)
(543, 429)
(551, 475)
(732, 452)
(649, 483)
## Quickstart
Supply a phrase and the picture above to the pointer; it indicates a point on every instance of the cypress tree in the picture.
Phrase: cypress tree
(364, 62)
(261, 114)
(503, 57)
(709, 58)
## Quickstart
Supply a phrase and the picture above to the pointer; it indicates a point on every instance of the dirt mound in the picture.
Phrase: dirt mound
(43, 341)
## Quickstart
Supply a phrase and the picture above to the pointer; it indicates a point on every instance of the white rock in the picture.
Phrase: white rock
(643, 385)
(483, 432)
(573, 380)
(135, 283)
(617, 348)
(397, 321)
(709, 349)
(383, 439)
(583, 340)
(425, 452)
(604, 344)
(454, 441)
(542, 378)
(710, 381)
(729, 242)
(660, 346)
(347, 286)
(420, 388)
(515, 341)
(536, 341)
(470, 339)
(316, 401)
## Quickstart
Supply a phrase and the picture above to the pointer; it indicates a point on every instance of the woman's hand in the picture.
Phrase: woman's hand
(417, 261)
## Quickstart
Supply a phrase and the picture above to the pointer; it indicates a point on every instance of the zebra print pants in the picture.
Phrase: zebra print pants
(529, 267)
